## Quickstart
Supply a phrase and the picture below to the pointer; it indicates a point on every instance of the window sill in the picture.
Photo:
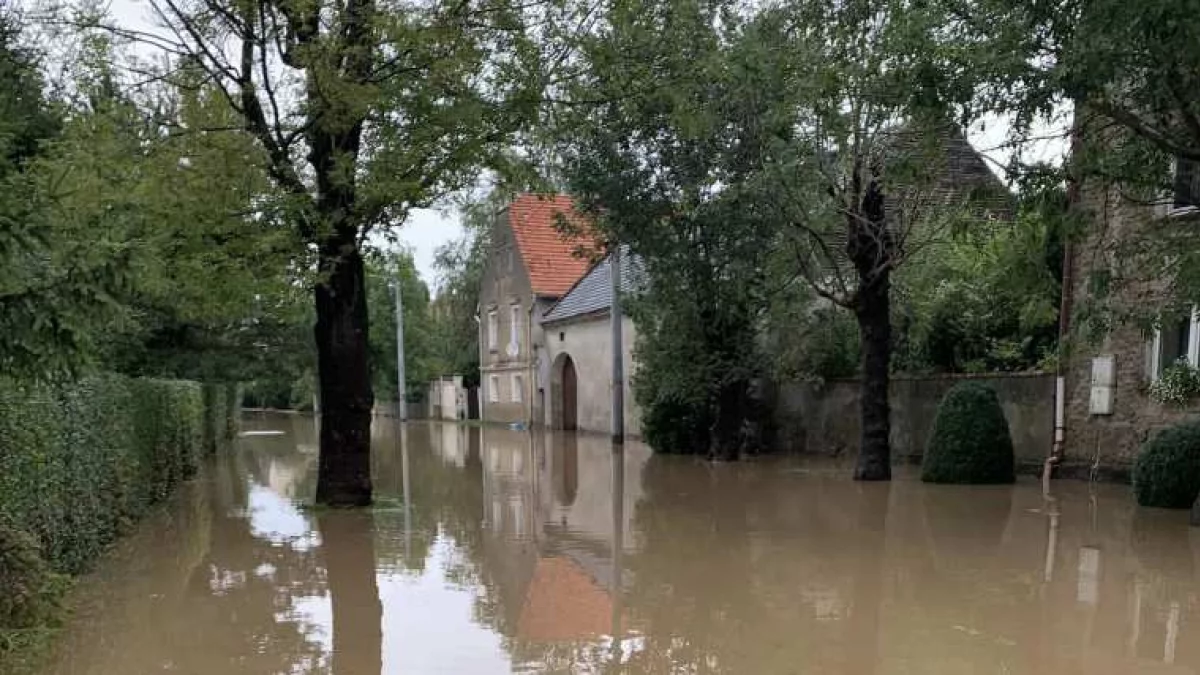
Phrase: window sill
(1175, 212)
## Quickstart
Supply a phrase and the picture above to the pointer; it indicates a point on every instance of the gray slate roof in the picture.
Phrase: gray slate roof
(593, 293)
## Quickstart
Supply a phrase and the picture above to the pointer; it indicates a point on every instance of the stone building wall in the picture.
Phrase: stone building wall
(1111, 283)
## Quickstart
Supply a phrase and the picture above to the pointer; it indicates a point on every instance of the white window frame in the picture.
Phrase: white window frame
(1168, 208)
(493, 388)
(1193, 350)
(493, 330)
(517, 393)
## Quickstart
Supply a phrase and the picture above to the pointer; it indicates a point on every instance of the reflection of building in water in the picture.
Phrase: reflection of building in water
(557, 525)
(450, 442)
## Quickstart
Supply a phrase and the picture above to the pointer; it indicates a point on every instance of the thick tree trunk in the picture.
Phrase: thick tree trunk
(875, 327)
(726, 438)
(872, 249)
(344, 477)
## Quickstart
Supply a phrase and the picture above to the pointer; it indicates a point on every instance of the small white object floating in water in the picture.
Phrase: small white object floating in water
(263, 432)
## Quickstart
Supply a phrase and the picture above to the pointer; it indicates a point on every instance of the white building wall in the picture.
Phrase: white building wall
(588, 341)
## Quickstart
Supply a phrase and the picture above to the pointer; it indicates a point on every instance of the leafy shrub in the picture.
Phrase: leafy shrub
(233, 409)
(970, 441)
(80, 461)
(31, 592)
(1177, 385)
(1167, 471)
(222, 405)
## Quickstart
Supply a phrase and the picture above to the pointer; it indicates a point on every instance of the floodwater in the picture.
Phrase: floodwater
(520, 553)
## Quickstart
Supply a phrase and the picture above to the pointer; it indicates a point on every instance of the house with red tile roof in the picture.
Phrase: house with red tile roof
(531, 264)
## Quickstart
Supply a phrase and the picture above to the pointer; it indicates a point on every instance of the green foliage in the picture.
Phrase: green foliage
(970, 442)
(1167, 471)
(987, 298)
(81, 461)
(1178, 384)
(215, 432)
(460, 270)
(668, 172)
(31, 605)
(30, 587)
(420, 365)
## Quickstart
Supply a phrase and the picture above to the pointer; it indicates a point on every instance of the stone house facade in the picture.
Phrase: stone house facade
(1109, 411)
(578, 332)
(530, 265)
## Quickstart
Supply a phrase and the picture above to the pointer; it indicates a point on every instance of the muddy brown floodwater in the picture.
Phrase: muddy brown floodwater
(550, 553)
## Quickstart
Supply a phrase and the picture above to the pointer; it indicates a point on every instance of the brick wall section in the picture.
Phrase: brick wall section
(824, 418)
(1111, 443)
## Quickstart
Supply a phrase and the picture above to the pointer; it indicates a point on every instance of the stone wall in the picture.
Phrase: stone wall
(824, 418)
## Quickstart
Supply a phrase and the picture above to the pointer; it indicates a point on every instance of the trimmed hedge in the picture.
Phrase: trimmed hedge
(1167, 471)
(79, 463)
(970, 443)
(222, 405)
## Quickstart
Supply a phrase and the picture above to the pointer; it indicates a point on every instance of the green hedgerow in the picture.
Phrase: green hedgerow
(30, 592)
(970, 441)
(1167, 471)
(79, 463)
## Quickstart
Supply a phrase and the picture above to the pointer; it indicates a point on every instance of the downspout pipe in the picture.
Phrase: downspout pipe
(531, 382)
(1066, 303)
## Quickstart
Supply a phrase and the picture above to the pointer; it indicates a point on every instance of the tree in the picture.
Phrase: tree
(383, 270)
(817, 128)
(987, 298)
(364, 110)
(663, 130)
(871, 171)
(456, 307)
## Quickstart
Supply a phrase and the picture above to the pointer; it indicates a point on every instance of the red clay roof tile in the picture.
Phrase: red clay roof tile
(549, 256)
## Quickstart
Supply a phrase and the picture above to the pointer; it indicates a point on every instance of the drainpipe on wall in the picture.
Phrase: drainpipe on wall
(618, 350)
(1064, 317)
(530, 382)
(479, 340)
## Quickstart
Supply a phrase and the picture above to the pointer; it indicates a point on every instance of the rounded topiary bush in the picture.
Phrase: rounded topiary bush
(1167, 471)
(970, 441)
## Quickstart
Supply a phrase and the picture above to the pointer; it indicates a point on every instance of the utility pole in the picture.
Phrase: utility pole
(401, 404)
(618, 352)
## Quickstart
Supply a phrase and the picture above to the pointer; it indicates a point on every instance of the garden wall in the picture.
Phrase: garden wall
(823, 418)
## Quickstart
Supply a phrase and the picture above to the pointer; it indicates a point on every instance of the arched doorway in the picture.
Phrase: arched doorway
(564, 393)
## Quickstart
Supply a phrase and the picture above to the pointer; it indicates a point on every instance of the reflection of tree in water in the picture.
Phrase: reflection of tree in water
(348, 549)
(248, 598)
(445, 499)
(693, 590)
